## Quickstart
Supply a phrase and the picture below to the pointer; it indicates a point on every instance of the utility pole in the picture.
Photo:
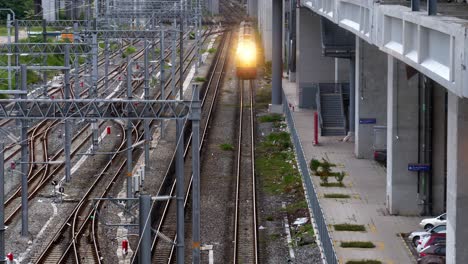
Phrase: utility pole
(180, 197)
(2, 203)
(129, 132)
(145, 229)
(195, 118)
(146, 123)
(67, 122)
(24, 160)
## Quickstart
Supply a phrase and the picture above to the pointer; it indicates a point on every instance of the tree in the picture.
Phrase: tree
(19, 7)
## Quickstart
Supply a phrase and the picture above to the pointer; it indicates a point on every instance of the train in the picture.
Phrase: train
(246, 53)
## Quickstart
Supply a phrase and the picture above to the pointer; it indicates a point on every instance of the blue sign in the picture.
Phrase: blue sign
(419, 167)
(367, 120)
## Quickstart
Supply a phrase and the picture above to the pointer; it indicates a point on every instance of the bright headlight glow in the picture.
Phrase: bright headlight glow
(246, 51)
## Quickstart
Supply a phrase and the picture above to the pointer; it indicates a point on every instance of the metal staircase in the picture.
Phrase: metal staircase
(331, 109)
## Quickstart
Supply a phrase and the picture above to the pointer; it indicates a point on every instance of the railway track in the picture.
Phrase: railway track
(75, 226)
(162, 250)
(245, 214)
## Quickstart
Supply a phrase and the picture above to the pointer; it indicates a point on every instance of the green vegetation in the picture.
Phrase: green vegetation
(271, 118)
(364, 261)
(304, 235)
(21, 8)
(268, 69)
(130, 50)
(269, 218)
(349, 227)
(276, 164)
(226, 146)
(212, 50)
(357, 244)
(200, 79)
(263, 96)
(332, 184)
(192, 35)
(294, 207)
(323, 169)
(337, 195)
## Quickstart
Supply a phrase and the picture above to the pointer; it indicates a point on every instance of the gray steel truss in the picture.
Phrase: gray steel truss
(105, 109)
(44, 48)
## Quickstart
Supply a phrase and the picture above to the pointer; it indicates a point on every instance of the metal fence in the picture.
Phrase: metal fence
(323, 235)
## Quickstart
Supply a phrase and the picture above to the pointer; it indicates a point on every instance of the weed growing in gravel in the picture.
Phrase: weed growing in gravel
(271, 118)
(336, 195)
(200, 79)
(304, 235)
(276, 164)
(349, 227)
(364, 261)
(269, 218)
(212, 50)
(263, 96)
(357, 244)
(226, 146)
(292, 208)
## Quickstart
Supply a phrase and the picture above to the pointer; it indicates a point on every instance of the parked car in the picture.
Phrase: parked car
(431, 222)
(436, 249)
(434, 238)
(432, 259)
(416, 235)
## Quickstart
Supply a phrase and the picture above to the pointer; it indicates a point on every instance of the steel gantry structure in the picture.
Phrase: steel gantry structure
(107, 22)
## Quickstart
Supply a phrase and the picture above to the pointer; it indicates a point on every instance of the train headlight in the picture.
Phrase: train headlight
(246, 53)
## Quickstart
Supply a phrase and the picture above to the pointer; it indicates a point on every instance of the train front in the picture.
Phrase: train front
(246, 56)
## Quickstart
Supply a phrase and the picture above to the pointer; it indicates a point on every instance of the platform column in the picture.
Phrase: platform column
(402, 139)
(457, 179)
(371, 96)
(277, 62)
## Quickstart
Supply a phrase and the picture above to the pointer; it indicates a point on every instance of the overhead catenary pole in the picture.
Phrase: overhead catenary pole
(67, 122)
(129, 132)
(24, 160)
(145, 229)
(174, 58)
(9, 50)
(180, 197)
(161, 65)
(195, 118)
(146, 96)
(2, 201)
(76, 62)
(181, 58)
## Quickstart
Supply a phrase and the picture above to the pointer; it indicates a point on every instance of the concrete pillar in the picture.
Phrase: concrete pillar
(439, 149)
(265, 26)
(311, 66)
(371, 97)
(402, 139)
(457, 179)
(277, 56)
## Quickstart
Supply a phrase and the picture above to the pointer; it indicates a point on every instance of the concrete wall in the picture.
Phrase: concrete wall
(457, 180)
(439, 148)
(311, 66)
(402, 139)
(371, 96)
(265, 20)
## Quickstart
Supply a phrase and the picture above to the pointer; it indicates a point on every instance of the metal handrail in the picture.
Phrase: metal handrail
(324, 240)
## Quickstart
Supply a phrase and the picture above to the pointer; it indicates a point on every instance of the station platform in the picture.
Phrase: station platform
(365, 183)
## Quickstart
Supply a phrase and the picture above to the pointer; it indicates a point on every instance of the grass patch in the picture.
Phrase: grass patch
(276, 164)
(357, 244)
(130, 50)
(349, 227)
(200, 79)
(226, 147)
(211, 50)
(292, 208)
(364, 261)
(332, 184)
(269, 218)
(337, 195)
(271, 118)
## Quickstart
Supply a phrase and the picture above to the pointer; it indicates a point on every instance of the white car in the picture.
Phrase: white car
(431, 222)
(417, 235)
